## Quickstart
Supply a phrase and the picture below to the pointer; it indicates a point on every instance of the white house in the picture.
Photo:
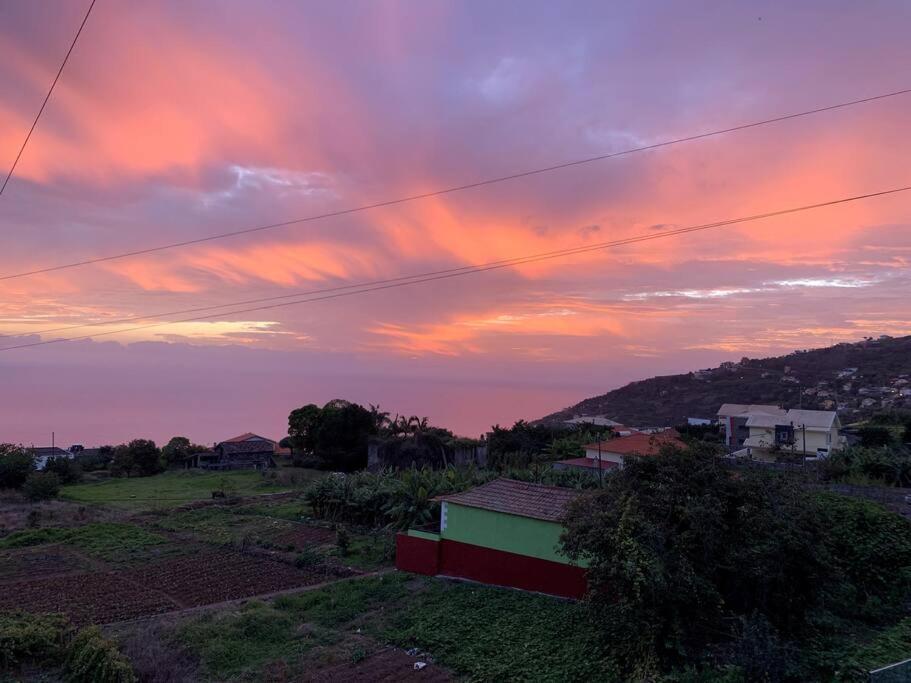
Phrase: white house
(805, 432)
(733, 418)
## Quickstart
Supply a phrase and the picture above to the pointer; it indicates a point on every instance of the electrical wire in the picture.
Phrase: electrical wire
(362, 288)
(457, 188)
(47, 97)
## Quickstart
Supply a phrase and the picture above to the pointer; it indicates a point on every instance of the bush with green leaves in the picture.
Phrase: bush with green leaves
(48, 640)
(887, 465)
(16, 463)
(92, 658)
(31, 638)
(97, 459)
(405, 498)
(683, 554)
(40, 486)
(67, 469)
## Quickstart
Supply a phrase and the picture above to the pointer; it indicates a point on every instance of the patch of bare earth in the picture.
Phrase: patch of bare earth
(389, 664)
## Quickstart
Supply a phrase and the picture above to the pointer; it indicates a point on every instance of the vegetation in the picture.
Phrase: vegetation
(48, 640)
(91, 658)
(672, 399)
(107, 540)
(335, 435)
(16, 464)
(404, 498)
(170, 489)
(177, 449)
(524, 444)
(686, 560)
(67, 469)
(888, 466)
(40, 486)
(31, 638)
(95, 460)
(139, 458)
(524, 637)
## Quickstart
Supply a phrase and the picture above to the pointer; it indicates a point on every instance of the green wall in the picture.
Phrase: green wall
(510, 533)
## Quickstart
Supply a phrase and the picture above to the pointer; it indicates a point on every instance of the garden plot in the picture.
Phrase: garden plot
(218, 576)
(302, 536)
(100, 598)
(38, 563)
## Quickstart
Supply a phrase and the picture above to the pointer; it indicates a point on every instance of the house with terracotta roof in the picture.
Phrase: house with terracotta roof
(244, 452)
(504, 533)
(610, 454)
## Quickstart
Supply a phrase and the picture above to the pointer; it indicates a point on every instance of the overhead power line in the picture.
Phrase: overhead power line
(458, 188)
(392, 283)
(47, 97)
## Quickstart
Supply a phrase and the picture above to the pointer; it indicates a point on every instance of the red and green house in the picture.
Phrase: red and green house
(505, 533)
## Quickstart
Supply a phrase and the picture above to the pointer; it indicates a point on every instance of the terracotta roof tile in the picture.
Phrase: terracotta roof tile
(520, 498)
(639, 444)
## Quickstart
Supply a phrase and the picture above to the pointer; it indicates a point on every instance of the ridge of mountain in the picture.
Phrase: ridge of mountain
(857, 379)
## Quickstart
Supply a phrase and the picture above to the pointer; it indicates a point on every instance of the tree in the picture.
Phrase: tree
(336, 434)
(873, 437)
(41, 486)
(67, 469)
(140, 457)
(682, 554)
(97, 460)
(179, 448)
(16, 463)
(303, 427)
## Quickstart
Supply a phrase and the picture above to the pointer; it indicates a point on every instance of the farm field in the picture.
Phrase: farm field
(171, 489)
(376, 628)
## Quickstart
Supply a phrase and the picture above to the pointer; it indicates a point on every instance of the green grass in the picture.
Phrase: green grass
(106, 540)
(223, 525)
(491, 634)
(368, 552)
(482, 633)
(888, 647)
(292, 510)
(170, 489)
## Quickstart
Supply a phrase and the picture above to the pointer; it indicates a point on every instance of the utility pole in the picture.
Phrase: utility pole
(600, 474)
(803, 428)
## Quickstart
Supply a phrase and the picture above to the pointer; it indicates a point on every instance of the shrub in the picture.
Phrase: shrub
(342, 540)
(29, 637)
(307, 559)
(41, 486)
(91, 658)
(96, 460)
(873, 437)
(15, 465)
(67, 469)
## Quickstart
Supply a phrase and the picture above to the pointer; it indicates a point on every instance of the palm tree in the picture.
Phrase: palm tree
(380, 417)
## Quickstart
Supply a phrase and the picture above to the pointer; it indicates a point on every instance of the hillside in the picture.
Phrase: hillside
(858, 379)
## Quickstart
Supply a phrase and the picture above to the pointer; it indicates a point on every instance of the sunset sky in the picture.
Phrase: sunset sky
(177, 120)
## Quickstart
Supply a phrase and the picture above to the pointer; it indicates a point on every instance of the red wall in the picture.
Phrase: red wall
(496, 567)
(417, 555)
